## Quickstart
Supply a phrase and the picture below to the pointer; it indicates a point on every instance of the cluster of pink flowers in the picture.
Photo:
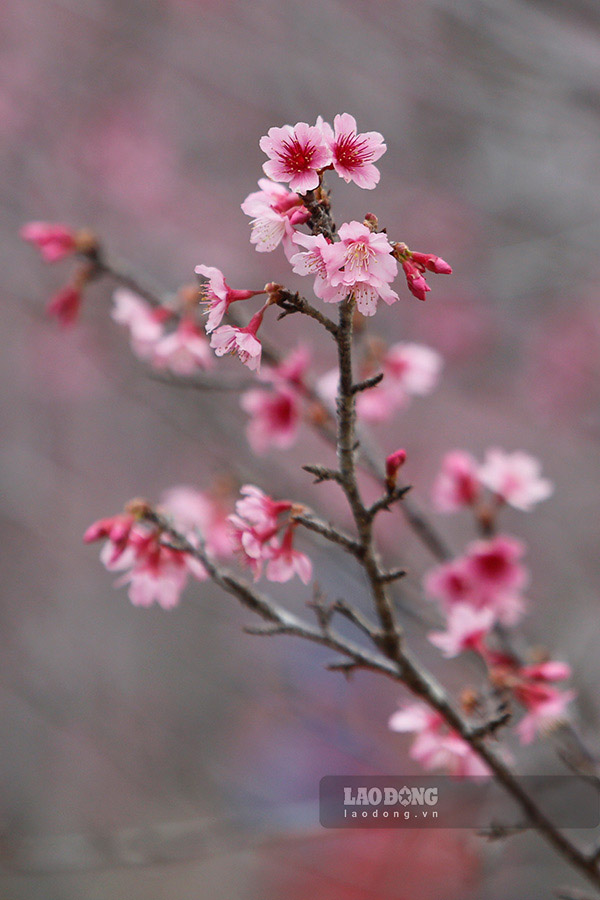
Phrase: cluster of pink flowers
(513, 478)
(257, 525)
(182, 349)
(484, 586)
(155, 570)
(435, 745)
(488, 576)
(299, 154)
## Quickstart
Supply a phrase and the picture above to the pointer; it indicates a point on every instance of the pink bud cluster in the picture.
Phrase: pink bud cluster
(264, 532)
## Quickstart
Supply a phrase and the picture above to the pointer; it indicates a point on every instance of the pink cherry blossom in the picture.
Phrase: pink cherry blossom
(314, 261)
(515, 478)
(183, 351)
(431, 262)
(285, 561)
(435, 746)
(200, 513)
(353, 154)
(547, 709)
(291, 370)
(457, 484)
(157, 573)
(243, 341)
(52, 240)
(361, 262)
(144, 322)
(296, 155)
(65, 305)
(275, 211)
(412, 368)
(258, 508)
(275, 416)
(466, 628)
(218, 296)
(494, 564)
(488, 576)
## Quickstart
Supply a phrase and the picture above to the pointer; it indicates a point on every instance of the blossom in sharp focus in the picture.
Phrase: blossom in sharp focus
(200, 513)
(457, 483)
(361, 262)
(242, 341)
(285, 561)
(314, 261)
(218, 296)
(144, 322)
(296, 154)
(184, 351)
(275, 212)
(435, 746)
(353, 154)
(515, 478)
(466, 629)
(54, 241)
(65, 305)
(275, 417)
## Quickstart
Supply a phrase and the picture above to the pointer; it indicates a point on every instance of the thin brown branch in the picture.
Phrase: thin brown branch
(330, 532)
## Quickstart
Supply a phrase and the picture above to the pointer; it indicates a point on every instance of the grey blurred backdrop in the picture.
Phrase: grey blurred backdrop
(152, 755)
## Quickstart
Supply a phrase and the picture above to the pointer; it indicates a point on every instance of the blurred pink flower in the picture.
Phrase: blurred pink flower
(200, 512)
(296, 155)
(184, 351)
(435, 746)
(457, 483)
(275, 416)
(65, 305)
(412, 368)
(144, 322)
(52, 240)
(353, 154)
(466, 628)
(515, 478)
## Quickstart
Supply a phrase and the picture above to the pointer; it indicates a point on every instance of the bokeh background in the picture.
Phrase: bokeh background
(152, 755)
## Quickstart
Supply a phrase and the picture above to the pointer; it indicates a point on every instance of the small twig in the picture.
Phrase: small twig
(492, 725)
(497, 832)
(392, 575)
(294, 303)
(323, 611)
(356, 617)
(368, 383)
(322, 473)
(330, 532)
(388, 500)
(347, 667)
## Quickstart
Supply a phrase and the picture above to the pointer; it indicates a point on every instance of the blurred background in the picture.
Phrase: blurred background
(147, 754)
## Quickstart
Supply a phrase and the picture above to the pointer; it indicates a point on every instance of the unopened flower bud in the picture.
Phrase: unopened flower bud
(392, 464)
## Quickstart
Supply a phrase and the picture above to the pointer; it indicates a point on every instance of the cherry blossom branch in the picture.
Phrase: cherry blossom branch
(401, 667)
